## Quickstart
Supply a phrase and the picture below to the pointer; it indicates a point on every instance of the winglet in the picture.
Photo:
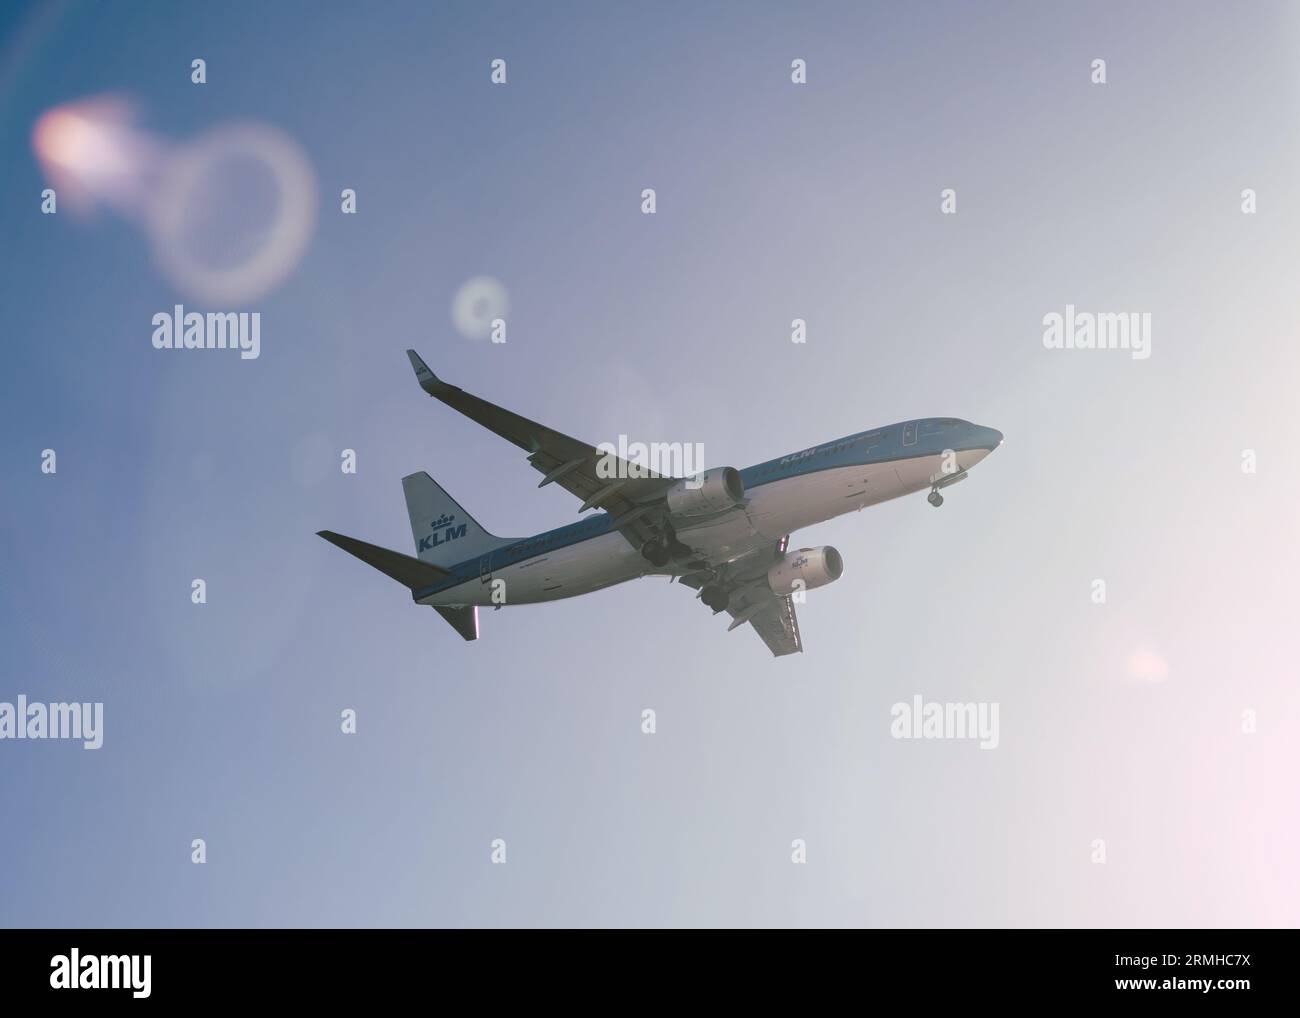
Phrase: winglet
(429, 382)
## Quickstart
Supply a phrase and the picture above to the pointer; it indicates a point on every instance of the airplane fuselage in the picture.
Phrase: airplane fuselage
(781, 496)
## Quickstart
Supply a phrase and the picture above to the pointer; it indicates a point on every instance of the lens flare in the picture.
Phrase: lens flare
(1147, 666)
(246, 188)
(229, 215)
(477, 303)
(91, 154)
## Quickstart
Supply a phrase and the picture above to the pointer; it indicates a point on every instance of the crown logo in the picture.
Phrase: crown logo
(442, 521)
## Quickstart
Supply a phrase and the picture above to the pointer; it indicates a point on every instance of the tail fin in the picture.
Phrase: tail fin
(444, 532)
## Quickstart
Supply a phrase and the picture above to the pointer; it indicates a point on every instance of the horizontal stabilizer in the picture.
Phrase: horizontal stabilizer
(408, 571)
(463, 620)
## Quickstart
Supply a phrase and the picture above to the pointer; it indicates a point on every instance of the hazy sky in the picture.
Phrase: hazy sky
(1120, 722)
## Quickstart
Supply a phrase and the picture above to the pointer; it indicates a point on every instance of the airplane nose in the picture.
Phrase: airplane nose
(991, 438)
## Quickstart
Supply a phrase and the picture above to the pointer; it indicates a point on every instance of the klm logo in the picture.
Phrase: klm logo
(449, 533)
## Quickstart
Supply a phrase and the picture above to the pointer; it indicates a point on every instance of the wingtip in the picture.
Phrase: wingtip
(427, 379)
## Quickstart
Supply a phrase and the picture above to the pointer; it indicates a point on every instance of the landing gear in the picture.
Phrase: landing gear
(655, 553)
(715, 597)
(662, 550)
(934, 498)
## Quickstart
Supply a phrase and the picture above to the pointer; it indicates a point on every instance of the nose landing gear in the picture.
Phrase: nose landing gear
(938, 481)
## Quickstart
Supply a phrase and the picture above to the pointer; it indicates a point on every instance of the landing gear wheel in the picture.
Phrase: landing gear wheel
(935, 499)
(655, 553)
(715, 598)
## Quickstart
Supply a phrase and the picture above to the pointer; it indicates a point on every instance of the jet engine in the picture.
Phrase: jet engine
(709, 492)
(805, 569)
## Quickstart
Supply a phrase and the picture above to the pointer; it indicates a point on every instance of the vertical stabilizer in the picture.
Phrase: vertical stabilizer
(444, 532)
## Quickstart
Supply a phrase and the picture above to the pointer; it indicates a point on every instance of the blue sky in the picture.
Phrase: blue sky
(775, 201)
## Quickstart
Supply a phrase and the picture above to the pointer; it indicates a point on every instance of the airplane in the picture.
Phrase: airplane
(724, 533)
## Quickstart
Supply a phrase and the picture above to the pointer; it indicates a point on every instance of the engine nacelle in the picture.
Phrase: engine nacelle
(709, 492)
(805, 569)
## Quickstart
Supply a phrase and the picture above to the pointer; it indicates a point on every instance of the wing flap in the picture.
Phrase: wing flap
(778, 627)
(772, 616)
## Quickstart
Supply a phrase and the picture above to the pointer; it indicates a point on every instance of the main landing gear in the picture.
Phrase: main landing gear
(659, 554)
(662, 550)
(656, 553)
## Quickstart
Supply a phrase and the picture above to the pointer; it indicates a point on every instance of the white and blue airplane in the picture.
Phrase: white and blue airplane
(724, 533)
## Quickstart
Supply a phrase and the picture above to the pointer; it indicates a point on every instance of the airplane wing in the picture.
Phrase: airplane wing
(633, 495)
(772, 615)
